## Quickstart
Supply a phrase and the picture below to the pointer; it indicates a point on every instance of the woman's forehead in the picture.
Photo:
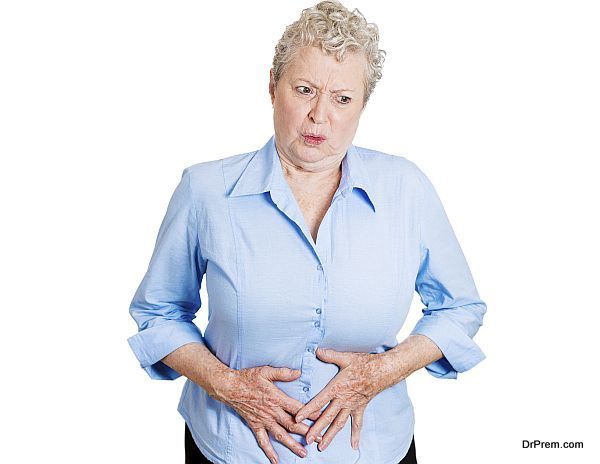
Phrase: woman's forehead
(312, 65)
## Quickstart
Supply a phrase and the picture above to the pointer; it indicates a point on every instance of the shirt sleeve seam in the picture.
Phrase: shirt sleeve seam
(421, 215)
(194, 207)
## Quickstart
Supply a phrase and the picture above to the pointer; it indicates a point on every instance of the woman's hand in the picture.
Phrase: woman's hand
(263, 406)
(362, 376)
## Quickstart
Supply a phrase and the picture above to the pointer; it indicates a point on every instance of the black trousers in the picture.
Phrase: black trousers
(194, 456)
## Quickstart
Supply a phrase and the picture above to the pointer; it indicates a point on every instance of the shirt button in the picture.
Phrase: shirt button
(305, 389)
(319, 268)
(317, 323)
(318, 310)
(309, 349)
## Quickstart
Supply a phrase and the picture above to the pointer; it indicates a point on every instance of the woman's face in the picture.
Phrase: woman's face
(317, 95)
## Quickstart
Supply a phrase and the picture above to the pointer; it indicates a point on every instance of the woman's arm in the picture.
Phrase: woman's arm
(166, 301)
(453, 310)
(251, 392)
(197, 363)
(362, 376)
(413, 353)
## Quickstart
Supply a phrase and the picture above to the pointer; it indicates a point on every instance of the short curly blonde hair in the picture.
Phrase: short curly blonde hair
(336, 30)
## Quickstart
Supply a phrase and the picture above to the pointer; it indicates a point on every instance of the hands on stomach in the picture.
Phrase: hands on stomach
(264, 407)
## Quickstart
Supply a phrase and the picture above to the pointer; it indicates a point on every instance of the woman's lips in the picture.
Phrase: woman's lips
(313, 140)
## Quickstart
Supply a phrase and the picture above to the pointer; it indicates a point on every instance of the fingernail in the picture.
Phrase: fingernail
(318, 439)
(302, 453)
(300, 418)
(309, 440)
(354, 445)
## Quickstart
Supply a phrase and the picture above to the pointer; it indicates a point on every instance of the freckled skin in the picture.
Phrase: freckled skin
(265, 407)
(314, 204)
(251, 392)
(362, 376)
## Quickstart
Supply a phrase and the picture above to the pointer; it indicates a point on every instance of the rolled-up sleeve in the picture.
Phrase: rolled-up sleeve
(454, 311)
(168, 297)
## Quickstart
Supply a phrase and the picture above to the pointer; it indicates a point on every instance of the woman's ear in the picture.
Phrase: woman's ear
(271, 86)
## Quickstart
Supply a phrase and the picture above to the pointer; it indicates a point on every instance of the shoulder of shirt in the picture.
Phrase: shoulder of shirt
(381, 165)
(215, 165)
(207, 177)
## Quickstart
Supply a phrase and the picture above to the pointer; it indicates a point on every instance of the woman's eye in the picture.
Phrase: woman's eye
(303, 88)
(344, 99)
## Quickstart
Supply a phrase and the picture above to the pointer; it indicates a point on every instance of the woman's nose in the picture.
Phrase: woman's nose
(318, 111)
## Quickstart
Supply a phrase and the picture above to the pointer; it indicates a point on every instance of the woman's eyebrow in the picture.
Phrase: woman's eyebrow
(315, 85)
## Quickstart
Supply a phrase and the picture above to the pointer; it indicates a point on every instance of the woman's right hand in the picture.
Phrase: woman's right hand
(263, 406)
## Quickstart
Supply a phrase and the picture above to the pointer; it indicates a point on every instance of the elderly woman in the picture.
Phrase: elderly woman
(312, 249)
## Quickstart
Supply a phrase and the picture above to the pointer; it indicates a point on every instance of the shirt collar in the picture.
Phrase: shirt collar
(264, 174)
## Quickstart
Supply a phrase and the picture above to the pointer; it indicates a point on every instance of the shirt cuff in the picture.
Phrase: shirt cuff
(460, 352)
(152, 344)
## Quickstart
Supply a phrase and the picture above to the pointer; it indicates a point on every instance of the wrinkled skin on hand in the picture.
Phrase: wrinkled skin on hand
(264, 407)
(361, 377)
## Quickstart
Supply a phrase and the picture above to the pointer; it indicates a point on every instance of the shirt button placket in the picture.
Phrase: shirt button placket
(312, 346)
(319, 309)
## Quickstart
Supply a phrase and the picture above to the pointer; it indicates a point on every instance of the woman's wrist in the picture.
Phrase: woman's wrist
(196, 362)
(219, 382)
(413, 353)
(391, 368)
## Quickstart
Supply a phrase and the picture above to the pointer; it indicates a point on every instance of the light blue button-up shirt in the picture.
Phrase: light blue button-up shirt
(275, 294)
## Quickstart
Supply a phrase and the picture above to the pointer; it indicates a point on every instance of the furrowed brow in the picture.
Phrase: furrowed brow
(315, 85)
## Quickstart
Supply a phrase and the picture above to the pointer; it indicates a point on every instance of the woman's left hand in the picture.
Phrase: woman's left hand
(361, 377)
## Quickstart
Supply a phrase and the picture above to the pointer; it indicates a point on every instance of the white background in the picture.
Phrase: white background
(102, 105)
